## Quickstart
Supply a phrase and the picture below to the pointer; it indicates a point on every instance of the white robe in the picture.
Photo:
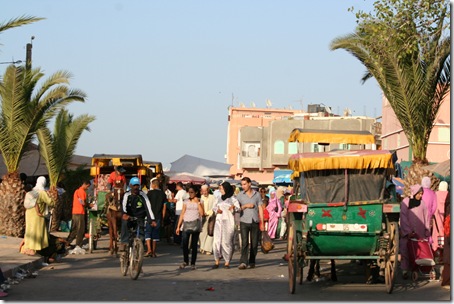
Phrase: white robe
(224, 228)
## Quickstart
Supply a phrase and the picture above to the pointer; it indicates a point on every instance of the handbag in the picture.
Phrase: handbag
(267, 243)
(210, 226)
(192, 226)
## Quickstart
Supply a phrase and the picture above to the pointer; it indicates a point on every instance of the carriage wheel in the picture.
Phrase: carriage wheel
(391, 256)
(292, 257)
(136, 258)
(414, 276)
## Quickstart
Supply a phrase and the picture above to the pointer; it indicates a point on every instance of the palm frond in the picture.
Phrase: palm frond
(18, 21)
(58, 148)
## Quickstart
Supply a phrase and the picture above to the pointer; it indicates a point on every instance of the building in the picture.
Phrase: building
(394, 138)
(258, 138)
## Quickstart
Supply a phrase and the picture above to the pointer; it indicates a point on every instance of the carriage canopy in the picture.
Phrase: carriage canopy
(343, 176)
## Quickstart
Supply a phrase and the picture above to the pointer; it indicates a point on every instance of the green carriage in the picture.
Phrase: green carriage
(342, 209)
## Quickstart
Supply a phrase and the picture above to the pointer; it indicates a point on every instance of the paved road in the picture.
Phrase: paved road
(96, 277)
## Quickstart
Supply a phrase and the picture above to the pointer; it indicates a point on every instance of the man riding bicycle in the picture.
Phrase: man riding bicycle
(136, 204)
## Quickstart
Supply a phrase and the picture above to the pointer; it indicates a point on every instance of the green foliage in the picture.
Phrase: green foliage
(58, 148)
(405, 46)
(27, 107)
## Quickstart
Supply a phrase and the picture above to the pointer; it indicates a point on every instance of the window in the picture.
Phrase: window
(278, 147)
(314, 147)
(292, 148)
(251, 149)
(344, 146)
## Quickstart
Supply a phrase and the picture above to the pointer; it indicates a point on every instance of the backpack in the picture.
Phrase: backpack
(30, 199)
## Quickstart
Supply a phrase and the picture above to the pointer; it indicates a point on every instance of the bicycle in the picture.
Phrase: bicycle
(132, 258)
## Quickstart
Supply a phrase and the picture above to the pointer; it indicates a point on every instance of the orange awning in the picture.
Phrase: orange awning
(331, 136)
(355, 159)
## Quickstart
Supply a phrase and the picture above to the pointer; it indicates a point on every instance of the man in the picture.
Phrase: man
(136, 204)
(78, 215)
(157, 199)
(250, 202)
(178, 200)
(116, 178)
(208, 200)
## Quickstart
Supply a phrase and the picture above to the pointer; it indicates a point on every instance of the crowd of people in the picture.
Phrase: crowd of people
(241, 214)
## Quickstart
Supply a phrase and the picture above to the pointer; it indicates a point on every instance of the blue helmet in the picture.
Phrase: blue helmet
(134, 181)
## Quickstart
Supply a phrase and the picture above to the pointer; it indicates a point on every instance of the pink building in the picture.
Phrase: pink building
(250, 117)
(393, 137)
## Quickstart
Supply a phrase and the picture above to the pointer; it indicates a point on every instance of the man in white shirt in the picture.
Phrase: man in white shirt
(178, 200)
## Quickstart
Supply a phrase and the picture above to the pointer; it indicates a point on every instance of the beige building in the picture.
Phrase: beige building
(258, 138)
(393, 137)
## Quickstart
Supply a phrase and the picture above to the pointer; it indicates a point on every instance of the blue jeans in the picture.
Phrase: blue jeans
(194, 246)
(124, 236)
(152, 233)
(253, 231)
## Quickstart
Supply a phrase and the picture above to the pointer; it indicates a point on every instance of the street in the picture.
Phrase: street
(96, 277)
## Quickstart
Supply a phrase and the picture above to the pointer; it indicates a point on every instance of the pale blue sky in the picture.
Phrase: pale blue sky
(160, 75)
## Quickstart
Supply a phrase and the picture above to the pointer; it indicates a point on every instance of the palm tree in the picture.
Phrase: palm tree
(25, 108)
(17, 22)
(57, 150)
(412, 67)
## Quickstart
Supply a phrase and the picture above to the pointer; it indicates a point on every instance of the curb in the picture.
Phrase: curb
(36, 264)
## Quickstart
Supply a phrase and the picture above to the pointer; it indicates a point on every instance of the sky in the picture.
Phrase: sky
(160, 75)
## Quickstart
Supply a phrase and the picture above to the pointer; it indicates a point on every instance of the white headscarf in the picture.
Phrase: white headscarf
(40, 183)
(443, 186)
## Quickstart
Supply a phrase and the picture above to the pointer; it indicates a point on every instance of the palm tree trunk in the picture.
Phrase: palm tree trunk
(12, 210)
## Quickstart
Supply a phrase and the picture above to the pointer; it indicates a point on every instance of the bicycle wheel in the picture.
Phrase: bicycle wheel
(136, 258)
(124, 262)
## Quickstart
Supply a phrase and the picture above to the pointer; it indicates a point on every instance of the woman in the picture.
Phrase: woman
(36, 233)
(437, 229)
(274, 209)
(224, 228)
(192, 211)
(414, 223)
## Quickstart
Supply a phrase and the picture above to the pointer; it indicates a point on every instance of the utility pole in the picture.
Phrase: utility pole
(28, 54)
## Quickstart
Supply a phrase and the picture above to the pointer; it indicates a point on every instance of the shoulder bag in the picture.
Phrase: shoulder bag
(211, 222)
(192, 226)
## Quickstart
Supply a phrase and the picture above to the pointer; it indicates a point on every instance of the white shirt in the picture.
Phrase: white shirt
(180, 197)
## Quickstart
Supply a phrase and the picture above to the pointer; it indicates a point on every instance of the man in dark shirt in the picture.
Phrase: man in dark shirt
(158, 200)
(136, 204)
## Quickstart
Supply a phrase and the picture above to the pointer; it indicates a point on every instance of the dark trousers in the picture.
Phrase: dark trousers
(194, 236)
(124, 233)
(247, 230)
(77, 229)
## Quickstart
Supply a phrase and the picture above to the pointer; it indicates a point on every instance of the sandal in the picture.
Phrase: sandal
(193, 267)
(215, 266)
(148, 254)
(226, 266)
(183, 265)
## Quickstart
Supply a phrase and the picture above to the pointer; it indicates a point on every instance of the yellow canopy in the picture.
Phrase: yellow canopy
(354, 159)
(331, 136)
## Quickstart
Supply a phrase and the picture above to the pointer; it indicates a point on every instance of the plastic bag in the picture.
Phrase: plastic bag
(267, 243)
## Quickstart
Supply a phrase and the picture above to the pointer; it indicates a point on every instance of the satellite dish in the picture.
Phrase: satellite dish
(242, 105)
(268, 103)
(347, 112)
(253, 104)
(328, 110)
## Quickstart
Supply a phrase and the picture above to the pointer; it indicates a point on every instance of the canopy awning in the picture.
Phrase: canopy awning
(331, 136)
(353, 159)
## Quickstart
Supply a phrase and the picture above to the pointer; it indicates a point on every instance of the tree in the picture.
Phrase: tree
(58, 148)
(25, 108)
(17, 22)
(405, 46)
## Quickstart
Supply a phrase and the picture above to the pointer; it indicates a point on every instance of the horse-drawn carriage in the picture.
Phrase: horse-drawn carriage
(107, 203)
(342, 207)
